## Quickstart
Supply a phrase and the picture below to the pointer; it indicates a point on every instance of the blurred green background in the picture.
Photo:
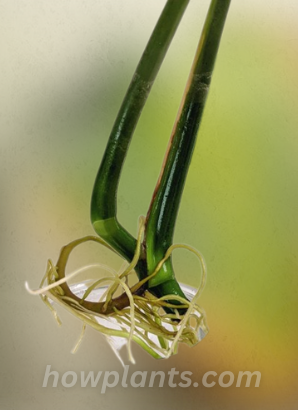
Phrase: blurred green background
(65, 69)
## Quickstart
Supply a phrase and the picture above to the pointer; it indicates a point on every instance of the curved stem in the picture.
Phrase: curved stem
(104, 196)
(162, 214)
(98, 307)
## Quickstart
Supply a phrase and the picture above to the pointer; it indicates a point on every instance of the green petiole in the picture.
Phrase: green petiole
(104, 196)
(162, 214)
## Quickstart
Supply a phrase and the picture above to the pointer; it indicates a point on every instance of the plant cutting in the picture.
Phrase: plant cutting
(156, 311)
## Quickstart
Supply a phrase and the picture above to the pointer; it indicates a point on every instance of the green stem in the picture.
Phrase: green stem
(104, 196)
(164, 207)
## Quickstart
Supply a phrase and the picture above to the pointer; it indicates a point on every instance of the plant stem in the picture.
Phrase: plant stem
(119, 303)
(162, 214)
(104, 196)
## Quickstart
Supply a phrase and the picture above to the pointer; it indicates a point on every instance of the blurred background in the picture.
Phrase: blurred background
(65, 67)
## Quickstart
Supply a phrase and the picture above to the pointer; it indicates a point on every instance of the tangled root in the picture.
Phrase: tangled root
(136, 315)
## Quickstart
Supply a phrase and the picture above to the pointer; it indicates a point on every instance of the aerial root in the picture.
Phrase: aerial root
(143, 320)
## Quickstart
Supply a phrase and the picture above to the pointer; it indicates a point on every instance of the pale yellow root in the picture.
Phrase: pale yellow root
(144, 320)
